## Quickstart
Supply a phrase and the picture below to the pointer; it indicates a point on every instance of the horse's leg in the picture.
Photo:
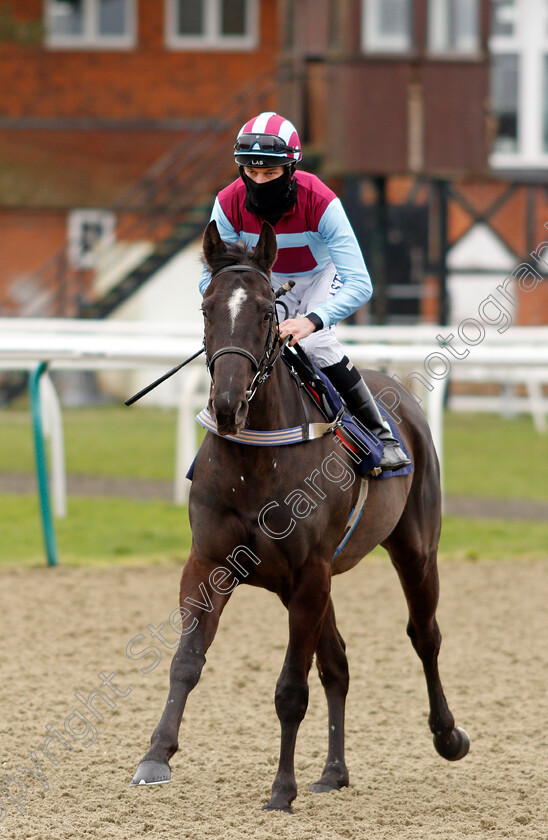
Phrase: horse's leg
(333, 670)
(306, 606)
(201, 617)
(413, 549)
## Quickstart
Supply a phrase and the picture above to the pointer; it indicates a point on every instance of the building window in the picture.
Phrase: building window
(519, 82)
(89, 230)
(387, 25)
(504, 100)
(453, 26)
(503, 17)
(545, 100)
(108, 24)
(212, 24)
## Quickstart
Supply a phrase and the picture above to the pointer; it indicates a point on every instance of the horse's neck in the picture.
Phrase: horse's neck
(276, 403)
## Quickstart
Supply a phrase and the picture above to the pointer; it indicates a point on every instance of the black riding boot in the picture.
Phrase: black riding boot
(357, 396)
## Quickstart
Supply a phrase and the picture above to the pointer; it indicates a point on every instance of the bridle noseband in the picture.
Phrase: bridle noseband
(262, 367)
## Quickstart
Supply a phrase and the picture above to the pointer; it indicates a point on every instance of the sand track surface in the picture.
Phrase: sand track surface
(63, 627)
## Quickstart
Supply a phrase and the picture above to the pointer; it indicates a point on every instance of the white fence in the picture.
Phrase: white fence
(413, 354)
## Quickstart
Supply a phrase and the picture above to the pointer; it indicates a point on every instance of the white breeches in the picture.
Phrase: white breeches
(308, 292)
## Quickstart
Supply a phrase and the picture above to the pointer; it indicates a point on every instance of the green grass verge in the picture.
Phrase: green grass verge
(100, 532)
(475, 539)
(96, 531)
(107, 441)
(484, 455)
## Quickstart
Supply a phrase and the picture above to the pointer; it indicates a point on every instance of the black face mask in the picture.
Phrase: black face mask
(273, 198)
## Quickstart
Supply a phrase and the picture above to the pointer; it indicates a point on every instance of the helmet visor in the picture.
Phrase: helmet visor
(269, 144)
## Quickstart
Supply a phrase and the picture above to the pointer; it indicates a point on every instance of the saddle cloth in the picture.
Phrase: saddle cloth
(365, 448)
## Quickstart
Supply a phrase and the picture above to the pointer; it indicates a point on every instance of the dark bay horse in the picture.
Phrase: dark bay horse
(273, 516)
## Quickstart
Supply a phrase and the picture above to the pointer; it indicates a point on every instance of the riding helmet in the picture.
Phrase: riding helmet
(267, 140)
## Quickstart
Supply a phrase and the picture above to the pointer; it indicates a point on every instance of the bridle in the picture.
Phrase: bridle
(263, 366)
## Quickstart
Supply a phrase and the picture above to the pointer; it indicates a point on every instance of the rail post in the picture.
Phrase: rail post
(41, 466)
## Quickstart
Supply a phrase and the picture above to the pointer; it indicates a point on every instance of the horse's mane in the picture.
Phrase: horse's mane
(237, 253)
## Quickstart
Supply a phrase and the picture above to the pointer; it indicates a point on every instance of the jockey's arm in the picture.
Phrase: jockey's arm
(346, 255)
(227, 234)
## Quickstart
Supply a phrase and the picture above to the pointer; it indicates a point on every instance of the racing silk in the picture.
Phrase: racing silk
(311, 236)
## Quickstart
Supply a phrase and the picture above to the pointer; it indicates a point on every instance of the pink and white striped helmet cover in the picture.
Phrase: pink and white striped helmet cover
(271, 123)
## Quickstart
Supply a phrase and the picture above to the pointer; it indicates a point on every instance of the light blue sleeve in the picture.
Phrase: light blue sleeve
(344, 250)
(227, 234)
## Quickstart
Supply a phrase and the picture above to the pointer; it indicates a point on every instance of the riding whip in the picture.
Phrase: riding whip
(163, 378)
(285, 288)
(281, 291)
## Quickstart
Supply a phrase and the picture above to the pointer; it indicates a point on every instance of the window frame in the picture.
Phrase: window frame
(371, 39)
(544, 117)
(437, 26)
(78, 255)
(499, 35)
(517, 55)
(529, 42)
(212, 39)
(90, 37)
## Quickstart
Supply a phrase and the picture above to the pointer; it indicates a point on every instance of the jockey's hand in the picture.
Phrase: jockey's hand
(299, 328)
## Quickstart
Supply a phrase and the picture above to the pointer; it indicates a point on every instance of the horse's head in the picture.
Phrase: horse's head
(240, 323)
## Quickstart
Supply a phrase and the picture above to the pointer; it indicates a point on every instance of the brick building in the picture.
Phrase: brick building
(94, 92)
(433, 117)
(429, 117)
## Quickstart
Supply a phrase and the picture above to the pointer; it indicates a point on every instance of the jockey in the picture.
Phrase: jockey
(317, 248)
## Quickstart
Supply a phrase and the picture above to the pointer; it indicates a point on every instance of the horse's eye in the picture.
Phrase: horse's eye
(266, 317)
(204, 313)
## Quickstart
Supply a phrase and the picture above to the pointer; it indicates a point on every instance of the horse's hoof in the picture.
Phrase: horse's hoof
(334, 777)
(326, 786)
(456, 747)
(152, 773)
(321, 787)
(285, 809)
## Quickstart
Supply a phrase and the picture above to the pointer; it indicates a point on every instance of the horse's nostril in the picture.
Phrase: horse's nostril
(241, 411)
(223, 403)
(228, 413)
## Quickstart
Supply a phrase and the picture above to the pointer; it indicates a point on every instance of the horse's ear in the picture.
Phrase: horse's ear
(267, 248)
(213, 246)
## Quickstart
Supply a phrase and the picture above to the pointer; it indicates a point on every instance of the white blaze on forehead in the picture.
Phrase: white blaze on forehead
(235, 304)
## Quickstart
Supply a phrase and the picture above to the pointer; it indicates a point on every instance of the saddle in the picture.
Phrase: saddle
(364, 448)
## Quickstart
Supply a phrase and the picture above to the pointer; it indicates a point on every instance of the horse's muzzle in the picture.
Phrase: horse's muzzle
(229, 413)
